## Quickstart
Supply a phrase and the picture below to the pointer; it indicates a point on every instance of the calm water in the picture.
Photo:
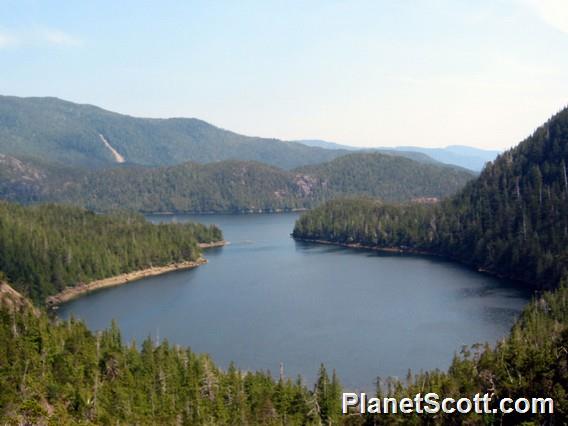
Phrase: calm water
(266, 299)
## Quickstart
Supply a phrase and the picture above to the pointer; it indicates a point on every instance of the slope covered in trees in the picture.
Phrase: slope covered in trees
(232, 186)
(62, 373)
(44, 249)
(512, 220)
(72, 134)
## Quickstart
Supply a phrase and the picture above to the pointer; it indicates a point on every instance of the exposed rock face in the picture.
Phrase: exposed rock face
(20, 171)
(307, 184)
(12, 300)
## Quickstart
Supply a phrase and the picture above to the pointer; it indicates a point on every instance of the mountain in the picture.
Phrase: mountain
(319, 143)
(390, 178)
(459, 155)
(411, 154)
(512, 220)
(70, 134)
(229, 186)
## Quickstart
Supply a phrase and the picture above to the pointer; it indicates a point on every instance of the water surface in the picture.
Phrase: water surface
(266, 299)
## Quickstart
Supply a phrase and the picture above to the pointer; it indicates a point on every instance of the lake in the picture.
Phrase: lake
(266, 299)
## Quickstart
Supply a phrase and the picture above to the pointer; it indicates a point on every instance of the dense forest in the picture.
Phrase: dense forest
(61, 373)
(229, 186)
(512, 220)
(44, 249)
(70, 134)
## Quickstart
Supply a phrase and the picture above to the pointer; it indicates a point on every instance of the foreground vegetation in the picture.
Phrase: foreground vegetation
(60, 372)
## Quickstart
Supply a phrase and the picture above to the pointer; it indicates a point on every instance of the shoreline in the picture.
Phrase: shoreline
(220, 243)
(71, 293)
(408, 250)
(227, 212)
(366, 247)
(81, 289)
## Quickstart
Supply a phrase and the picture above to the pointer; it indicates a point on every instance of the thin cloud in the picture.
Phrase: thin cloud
(553, 12)
(7, 40)
(60, 38)
(38, 38)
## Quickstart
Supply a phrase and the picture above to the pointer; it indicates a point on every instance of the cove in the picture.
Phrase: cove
(266, 299)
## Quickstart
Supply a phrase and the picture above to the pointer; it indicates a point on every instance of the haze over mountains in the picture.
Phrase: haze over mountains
(87, 136)
(79, 135)
(57, 151)
(464, 156)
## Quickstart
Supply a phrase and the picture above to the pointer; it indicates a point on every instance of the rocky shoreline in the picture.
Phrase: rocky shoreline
(214, 244)
(71, 293)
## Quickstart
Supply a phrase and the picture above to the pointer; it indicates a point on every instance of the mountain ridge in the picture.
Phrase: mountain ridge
(230, 185)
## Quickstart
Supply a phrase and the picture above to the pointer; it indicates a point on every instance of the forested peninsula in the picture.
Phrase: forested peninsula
(47, 248)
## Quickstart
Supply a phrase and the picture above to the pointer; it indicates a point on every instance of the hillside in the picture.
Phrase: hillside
(44, 249)
(76, 135)
(410, 153)
(229, 186)
(55, 372)
(390, 178)
(512, 220)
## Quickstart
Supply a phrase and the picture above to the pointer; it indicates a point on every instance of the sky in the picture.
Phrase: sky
(484, 73)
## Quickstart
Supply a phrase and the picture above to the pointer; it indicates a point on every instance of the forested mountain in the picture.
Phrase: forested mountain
(512, 220)
(389, 178)
(232, 186)
(44, 249)
(412, 154)
(70, 134)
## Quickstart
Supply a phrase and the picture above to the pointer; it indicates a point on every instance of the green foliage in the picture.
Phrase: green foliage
(69, 134)
(531, 363)
(44, 249)
(512, 220)
(61, 373)
(233, 186)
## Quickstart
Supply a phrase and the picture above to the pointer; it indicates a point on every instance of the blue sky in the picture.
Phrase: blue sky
(371, 73)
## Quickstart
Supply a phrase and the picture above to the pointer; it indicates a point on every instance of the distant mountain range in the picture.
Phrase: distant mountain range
(77, 135)
(464, 156)
(59, 151)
